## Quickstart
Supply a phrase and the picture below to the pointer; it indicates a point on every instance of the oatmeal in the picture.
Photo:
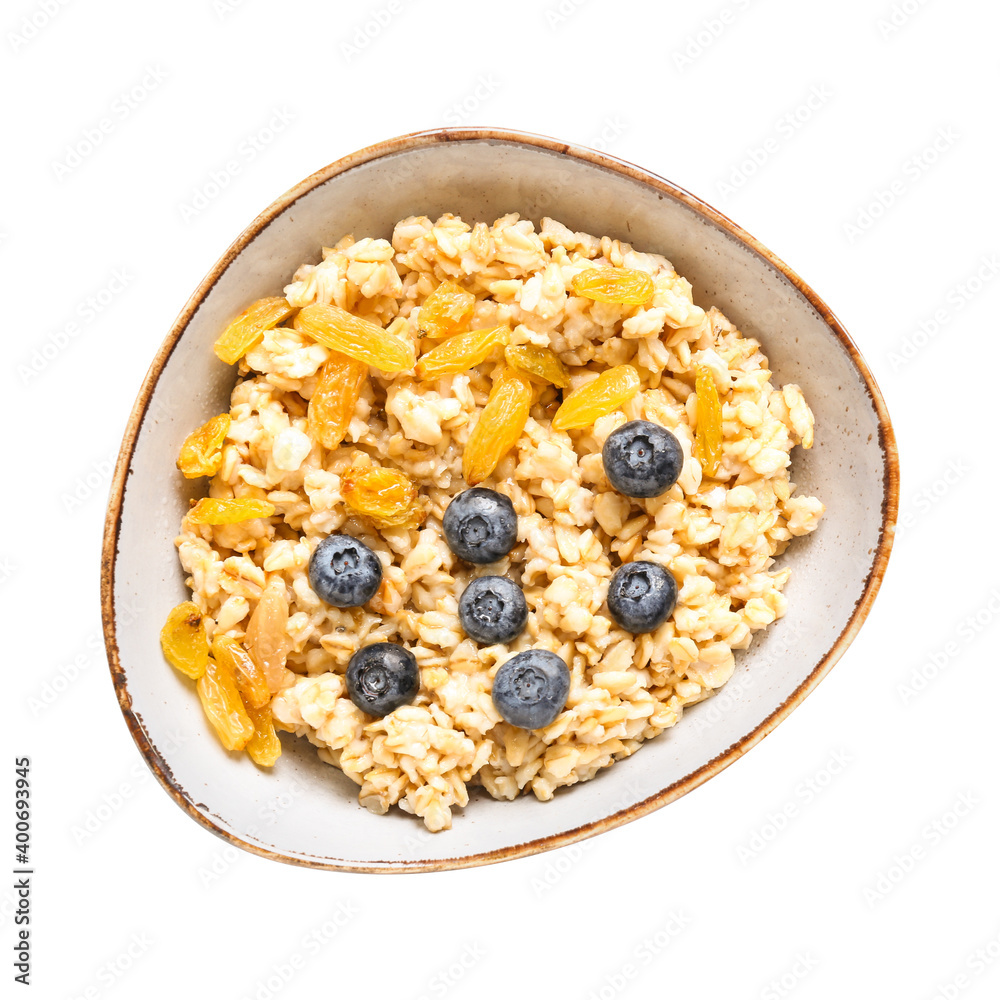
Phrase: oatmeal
(390, 379)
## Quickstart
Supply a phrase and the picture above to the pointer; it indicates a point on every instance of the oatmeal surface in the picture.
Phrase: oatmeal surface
(718, 536)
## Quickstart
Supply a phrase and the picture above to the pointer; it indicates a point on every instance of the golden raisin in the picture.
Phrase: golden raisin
(249, 327)
(387, 497)
(183, 639)
(212, 510)
(358, 338)
(335, 397)
(708, 432)
(500, 425)
(266, 638)
(461, 352)
(539, 363)
(605, 394)
(264, 747)
(620, 285)
(249, 676)
(201, 453)
(445, 311)
(224, 707)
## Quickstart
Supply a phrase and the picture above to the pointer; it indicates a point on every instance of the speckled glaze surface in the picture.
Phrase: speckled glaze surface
(482, 174)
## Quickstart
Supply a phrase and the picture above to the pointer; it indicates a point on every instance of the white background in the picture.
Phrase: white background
(882, 881)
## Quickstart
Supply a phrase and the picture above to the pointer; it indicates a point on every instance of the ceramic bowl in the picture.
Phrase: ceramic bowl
(306, 812)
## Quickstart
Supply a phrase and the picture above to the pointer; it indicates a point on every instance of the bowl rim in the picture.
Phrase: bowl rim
(426, 138)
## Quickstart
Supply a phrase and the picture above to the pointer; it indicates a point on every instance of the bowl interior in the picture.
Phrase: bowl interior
(307, 811)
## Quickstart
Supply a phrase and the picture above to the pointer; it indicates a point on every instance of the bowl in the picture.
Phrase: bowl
(305, 812)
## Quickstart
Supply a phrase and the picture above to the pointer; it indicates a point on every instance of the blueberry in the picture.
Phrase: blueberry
(642, 459)
(480, 525)
(382, 677)
(493, 609)
(344, 572)
(641, 596)
(530, 689)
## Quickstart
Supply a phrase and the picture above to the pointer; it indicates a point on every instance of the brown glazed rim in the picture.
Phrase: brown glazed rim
(412, 141)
